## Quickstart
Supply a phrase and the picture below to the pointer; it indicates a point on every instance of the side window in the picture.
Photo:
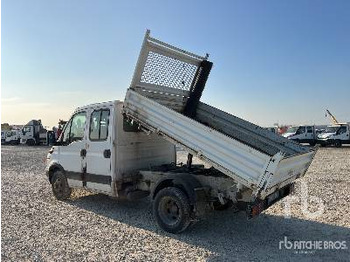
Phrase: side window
(342, 130)
(99, 125)
(104, 124)
(309, 129)
(301, 130)
(78, 127)
(74, 129)
(95, 125)
(65, 135)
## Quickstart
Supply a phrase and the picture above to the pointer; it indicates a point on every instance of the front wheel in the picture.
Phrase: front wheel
(60, 187)
(337, 143)
(30, 142)
(172, 210)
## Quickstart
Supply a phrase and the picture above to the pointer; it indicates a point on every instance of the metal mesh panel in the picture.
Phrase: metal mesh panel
(166, 71)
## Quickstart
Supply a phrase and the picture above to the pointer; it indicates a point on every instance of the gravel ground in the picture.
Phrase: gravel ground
(93, 227)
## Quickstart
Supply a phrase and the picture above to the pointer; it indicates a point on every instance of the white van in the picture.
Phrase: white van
(336, 135)
(302, 134)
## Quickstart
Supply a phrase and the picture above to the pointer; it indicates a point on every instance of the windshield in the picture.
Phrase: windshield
(292, 129)
(26, 129)
(331, 129)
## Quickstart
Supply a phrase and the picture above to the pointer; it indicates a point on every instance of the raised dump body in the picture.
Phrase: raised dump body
(164, 98)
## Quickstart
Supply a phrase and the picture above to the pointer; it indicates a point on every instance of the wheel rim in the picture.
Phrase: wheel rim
(169, 211)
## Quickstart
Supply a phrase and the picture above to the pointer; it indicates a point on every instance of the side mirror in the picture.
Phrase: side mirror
(59, 141)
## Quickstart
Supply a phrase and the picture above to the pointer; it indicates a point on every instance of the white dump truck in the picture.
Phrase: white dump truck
(33, 133)
(127, 149)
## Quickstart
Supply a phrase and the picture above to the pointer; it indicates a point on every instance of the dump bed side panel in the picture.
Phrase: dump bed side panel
(245, 164)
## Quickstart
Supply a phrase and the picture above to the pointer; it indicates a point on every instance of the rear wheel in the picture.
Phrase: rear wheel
(172, 210)
(60, 187)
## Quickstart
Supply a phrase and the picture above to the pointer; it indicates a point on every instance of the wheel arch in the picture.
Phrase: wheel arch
(185, 182)
(52, 169)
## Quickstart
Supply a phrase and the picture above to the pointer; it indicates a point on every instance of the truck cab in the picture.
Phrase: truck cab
(336, 135)
(302, 134)
(98, 150)
(12, 137)
(33, 133)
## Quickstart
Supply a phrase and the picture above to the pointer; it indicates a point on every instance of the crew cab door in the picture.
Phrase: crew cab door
(72, 149)
(27, 133)
(300, 134)
(99, 150)
(310, 133)
(342, 133)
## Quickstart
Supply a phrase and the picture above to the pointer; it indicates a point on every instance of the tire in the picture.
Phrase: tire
(30, 142)
(172, 210)
(312, 143)
(337, 143)
(60, 187)
(220, 207)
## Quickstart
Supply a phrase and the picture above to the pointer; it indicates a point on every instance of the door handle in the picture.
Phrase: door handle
(107, 153)
(83, 153)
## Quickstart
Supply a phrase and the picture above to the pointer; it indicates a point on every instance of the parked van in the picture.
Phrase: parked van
(336, 135)
(302, 134)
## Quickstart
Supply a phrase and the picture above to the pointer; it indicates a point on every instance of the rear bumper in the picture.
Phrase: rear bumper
(253, 209)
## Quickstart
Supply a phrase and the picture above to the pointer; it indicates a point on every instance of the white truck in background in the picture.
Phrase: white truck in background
(302, 134)
(33, 133)
(12, 137)
(336, 135)
(127, 149)
(3, 136)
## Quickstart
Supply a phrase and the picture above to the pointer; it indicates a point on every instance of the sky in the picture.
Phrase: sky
(275, 61)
